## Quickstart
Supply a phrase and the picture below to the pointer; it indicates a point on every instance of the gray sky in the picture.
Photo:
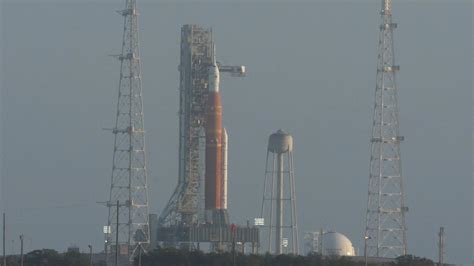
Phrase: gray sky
(311, 71)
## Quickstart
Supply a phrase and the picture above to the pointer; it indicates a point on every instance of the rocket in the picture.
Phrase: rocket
(214, 149)
(215, 188)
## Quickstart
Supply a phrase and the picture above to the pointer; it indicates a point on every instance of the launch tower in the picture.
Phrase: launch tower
(127, 230)
(385, 231)
(197, 210)
(197, 56)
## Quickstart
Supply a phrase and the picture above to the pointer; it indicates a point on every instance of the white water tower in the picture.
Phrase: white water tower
(280, 231)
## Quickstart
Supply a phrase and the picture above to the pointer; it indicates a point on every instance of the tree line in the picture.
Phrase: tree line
(177, 257)
(50, 257)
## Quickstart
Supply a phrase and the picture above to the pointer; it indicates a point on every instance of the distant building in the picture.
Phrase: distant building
(329, 243)
(74, 249)
(337, 244)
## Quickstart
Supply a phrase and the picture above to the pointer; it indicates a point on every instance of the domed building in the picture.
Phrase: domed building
(337, 244)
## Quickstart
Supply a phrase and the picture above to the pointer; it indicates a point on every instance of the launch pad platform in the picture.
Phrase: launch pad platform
(210, 233)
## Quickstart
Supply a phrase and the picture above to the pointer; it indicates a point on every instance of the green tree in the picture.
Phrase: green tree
(410, 260)
(43, 257)
(75, 259)
(177, 257)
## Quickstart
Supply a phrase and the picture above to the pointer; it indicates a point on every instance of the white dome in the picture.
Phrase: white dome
(337, 244)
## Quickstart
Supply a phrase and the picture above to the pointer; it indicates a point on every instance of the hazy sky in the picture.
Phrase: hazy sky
(311, 71)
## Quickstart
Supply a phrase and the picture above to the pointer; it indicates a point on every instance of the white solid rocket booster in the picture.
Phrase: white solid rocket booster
(224, 168)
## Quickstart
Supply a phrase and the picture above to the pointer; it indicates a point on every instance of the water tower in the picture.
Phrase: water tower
(280, 231)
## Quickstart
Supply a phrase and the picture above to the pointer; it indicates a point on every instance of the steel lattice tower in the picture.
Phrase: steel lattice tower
(128, 201)
(385, 225)
(196, 57)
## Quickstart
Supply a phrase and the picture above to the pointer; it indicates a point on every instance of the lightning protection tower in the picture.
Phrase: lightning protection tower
(385, 231)
(127, 231)
(279, 196)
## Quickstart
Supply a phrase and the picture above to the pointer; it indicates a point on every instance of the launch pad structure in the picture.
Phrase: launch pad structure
(184, 220)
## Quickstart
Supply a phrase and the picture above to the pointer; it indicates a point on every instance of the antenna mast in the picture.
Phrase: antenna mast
(127, 229)
(385, 224)
(441, 246)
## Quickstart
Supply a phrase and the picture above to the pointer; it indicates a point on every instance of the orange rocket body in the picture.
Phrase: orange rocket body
(214, 156)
